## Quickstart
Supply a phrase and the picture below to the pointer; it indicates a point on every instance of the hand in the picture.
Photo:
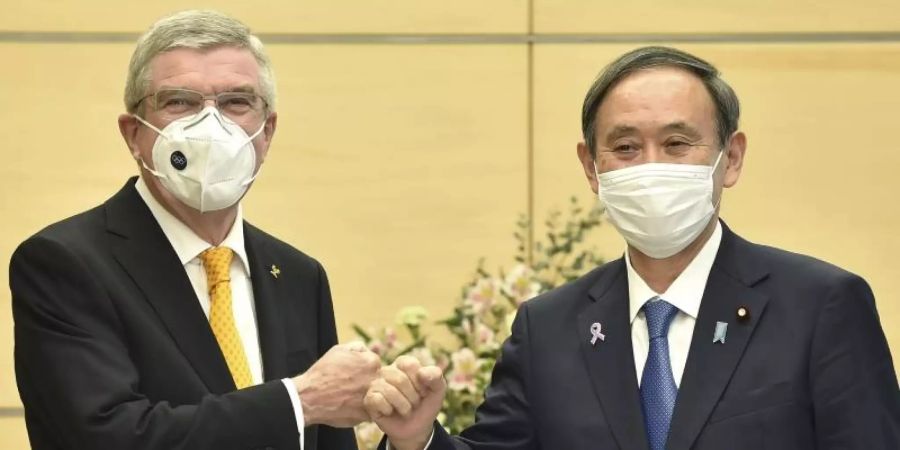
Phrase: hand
(405, 400)
(332, 390)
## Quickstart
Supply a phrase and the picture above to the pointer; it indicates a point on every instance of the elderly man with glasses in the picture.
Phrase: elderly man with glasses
(161, 319)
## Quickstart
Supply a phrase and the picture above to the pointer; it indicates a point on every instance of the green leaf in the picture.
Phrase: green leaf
(361, 333)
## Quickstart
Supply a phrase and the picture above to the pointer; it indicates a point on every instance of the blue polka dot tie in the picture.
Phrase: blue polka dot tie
(658, 389)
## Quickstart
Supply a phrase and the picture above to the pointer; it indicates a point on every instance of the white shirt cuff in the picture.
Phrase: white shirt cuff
(298, 407)
(388, 444)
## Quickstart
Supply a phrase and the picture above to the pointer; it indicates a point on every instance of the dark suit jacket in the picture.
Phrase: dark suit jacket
(810, 369)
(113, 351)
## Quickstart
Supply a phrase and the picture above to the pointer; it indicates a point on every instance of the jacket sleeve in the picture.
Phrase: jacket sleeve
(852, 378)
(75, 374)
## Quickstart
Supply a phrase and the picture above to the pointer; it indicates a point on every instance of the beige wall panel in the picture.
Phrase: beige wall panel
(278, 16)
(398, 167)
(13, 435)
(712, 16)
(60, 145)
(820, 175)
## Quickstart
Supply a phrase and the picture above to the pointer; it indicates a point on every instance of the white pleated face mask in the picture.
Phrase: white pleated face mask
(205, 161)
(659, 208)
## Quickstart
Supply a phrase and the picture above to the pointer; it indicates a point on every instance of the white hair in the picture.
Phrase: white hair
(195, 29)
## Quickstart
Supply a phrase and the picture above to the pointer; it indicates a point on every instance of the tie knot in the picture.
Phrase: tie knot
(217, 263)
(659, 316)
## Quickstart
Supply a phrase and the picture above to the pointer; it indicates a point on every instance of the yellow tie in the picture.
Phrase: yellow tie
(217, 262)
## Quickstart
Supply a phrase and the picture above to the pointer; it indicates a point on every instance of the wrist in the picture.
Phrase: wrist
(418, 442)
(310, 414)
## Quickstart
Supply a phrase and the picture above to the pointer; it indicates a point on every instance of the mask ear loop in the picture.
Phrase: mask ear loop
(712, 172)
(149, 125)
(249, 139)
(716, 164)
(144, 163)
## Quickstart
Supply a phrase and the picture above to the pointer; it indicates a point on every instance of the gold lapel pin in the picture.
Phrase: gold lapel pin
(743, 313)
(275, 271)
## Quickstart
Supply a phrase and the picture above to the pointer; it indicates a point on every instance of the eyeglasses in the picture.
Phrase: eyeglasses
(178, 103)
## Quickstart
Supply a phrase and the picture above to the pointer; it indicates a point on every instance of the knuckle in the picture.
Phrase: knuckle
(406, 362)
(391, 375)
(371, 360)
(369, 400)
(397, 378)
(378, 385)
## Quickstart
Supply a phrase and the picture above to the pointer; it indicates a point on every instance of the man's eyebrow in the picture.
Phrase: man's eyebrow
(242, 88)
(619, 131)
(683, 127)
(165, 87)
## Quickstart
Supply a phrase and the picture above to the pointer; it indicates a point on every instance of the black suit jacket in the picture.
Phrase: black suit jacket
(809, 369)
(113, 351)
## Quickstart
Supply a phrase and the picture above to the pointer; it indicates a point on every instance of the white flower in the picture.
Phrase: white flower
(484, 337)
(482, 295)
(390, 338)
(412, 316)
(368, 436)
(423, 354)
(465, 369)
(520, 284)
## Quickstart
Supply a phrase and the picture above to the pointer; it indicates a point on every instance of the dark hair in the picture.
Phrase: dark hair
(728, 109)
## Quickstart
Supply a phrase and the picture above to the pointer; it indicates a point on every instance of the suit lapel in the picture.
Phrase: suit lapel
(710, 365)
(610, 362)
(146, 255)
(266, 296)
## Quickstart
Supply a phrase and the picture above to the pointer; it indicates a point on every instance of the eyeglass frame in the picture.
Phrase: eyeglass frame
(204, 97)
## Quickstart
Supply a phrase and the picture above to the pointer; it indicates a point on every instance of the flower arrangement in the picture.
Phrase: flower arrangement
(483, 316)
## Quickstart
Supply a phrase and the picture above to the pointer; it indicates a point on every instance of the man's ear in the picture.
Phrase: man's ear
(128, 128)
(270, 126)
(587, 164)
(268, 133)
(737, 147)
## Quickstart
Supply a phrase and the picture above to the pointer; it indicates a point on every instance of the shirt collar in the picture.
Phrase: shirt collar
(184, 241)
(686, 291)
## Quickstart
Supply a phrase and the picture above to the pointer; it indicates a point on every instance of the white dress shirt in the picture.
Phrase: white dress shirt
(188, 246)
(685, 294)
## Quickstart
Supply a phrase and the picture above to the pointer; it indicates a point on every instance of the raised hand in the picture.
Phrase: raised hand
(332, 390)
(405, 400)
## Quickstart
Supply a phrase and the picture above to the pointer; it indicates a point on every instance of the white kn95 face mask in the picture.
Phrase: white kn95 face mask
(206, 161)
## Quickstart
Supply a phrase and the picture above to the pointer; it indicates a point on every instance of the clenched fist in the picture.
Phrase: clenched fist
(332, 390)
(405, 400)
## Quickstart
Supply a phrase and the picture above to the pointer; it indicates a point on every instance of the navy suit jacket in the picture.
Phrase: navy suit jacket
(809, 369)
(113, 350)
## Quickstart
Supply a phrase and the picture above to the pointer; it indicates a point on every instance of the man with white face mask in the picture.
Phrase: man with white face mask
(161, 319)
(696, 338)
